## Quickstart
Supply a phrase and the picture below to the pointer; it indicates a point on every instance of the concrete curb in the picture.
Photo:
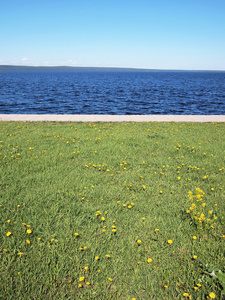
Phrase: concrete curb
(111, 118)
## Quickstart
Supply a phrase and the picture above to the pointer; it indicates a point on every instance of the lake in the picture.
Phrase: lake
(112, 92)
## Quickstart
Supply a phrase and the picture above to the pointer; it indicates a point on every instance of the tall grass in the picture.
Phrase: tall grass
(112, 210)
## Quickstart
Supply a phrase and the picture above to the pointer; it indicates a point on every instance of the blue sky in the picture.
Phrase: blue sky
(159, 34)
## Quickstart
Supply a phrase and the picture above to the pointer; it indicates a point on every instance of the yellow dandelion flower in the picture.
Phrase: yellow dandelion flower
(185, 295)
(212, 295)
(96, 257)
(149, 260)
(103, 219)
(107, 255)
(143, 218)
(80, 285)
(195, 287)
(20, 253)
(139, 242)
(76, 234)
(170, 242)
(88, 283)
(86, 268)
(194, 237)
(8, 233)
(28, 241)
(29, 231)
(81, 279)
(166, 286)
(156, 229)
(110, 279)
(199, 284)
(195, 256)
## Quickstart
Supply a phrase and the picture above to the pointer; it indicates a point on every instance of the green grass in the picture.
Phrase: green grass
(56, 177)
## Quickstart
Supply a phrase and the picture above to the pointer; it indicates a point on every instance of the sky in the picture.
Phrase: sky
(159, 34)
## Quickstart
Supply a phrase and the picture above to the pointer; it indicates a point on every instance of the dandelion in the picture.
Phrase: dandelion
(107, 255)
(20, 253)
(110, 279)
(185, 295)
(156, 229)
(29, 231)
(88, 283)
(149, 260)
(8, 233)
(103, 219)
(194, 237)
(170, 242)
(28, 241)
(166, 286)
(81, 279)
(143, 218)
(199, 284)
(195, 256)
(52, 240)
(76, 234)
(139, 242)
(80, 285)
(8, 221)
(86, 268)
(96, 257)
(212, 295)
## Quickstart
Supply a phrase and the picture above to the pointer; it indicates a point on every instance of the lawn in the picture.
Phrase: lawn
(112, 210)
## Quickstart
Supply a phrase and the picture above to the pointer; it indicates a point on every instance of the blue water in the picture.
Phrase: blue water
(120, 93)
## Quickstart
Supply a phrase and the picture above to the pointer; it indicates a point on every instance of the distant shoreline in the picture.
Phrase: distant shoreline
(93, 69)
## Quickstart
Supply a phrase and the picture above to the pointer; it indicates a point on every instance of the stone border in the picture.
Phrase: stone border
(111, 118)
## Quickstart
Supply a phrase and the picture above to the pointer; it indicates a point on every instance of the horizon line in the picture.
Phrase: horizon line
(99, 67)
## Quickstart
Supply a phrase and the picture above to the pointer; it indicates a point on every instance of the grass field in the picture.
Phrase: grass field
(112, 210)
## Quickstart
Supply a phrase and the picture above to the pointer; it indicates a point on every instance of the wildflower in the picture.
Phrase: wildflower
(76, 234)
(5, 250)
(96, 257)
(114, 230)
(8, 221)
(110, 279)
(165, 286)
(81, 279)
(29, 231)
(185, 295)
(139, 242)
(8, 233)
(199, 285)
(86, 268)
(107, 255)
(212, 295)
(28, 241)
(143, 218)
(195, 287)
(80, 285)
(170, 242)
(194, 237)
(88, 283)
(39, 239)
(20, 253)
(156, 229)
(52, 240)
(85, 248)
(195, 256)
(210, 212)
(149, 260)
